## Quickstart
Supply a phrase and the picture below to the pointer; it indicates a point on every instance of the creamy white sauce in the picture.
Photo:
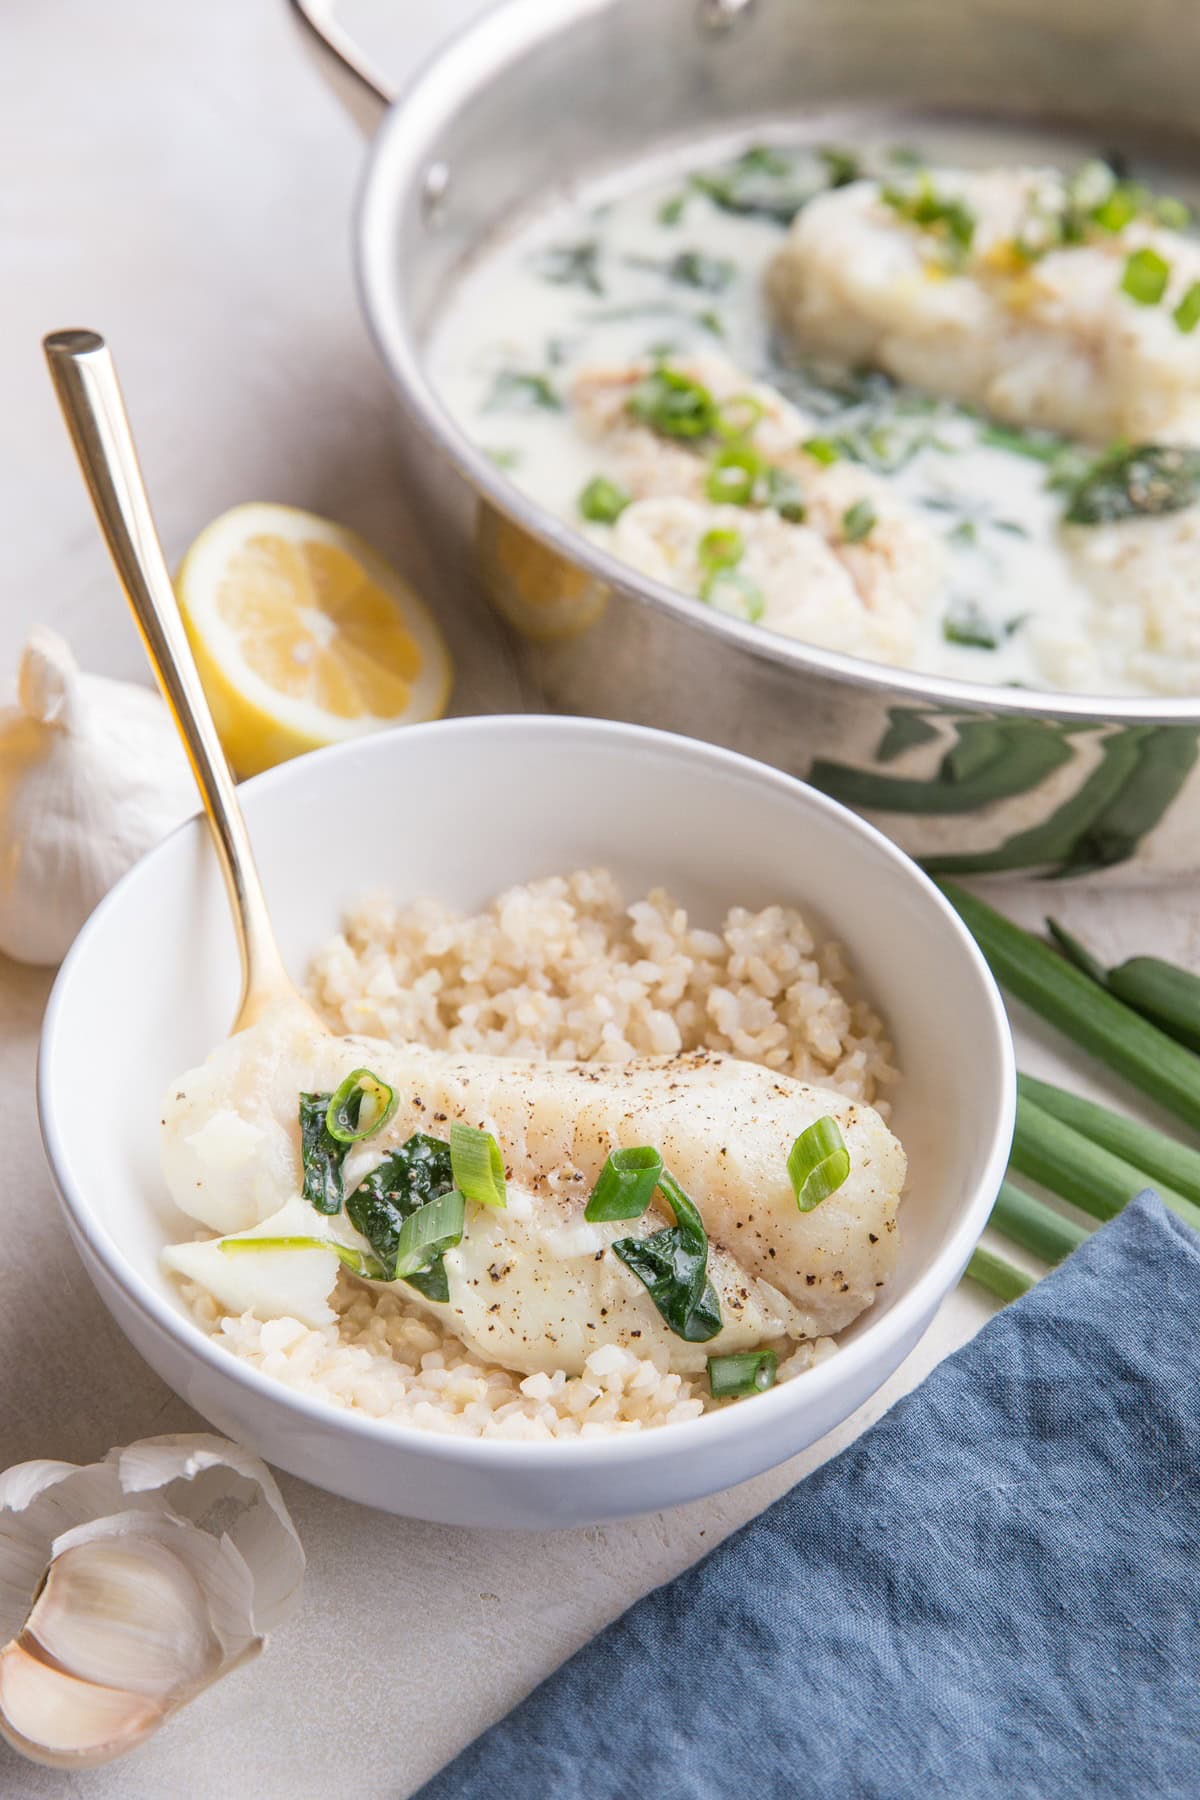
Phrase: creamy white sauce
(1008, 563)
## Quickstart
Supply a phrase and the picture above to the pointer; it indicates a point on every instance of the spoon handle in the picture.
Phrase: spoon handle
(89, 394)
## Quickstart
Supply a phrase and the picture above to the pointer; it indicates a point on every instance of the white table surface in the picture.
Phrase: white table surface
(177, 177)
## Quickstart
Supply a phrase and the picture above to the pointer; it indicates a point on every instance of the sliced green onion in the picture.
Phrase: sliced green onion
(999, 1277)
(1146, 276)
(602, 501)
(729, 591)
(784, 494)
(355, 1260)
(1172, 213)
(671, 211)
(858, 521)
(1119, 209)
(733, 474)
(818, 1163)
(673, 404)
(427, 1232)
(753, 1372)
(1090, 1177)
(1034, 1225)
(821, 449)
(720, 548)
(1164, 1160)
(1091, 1018)
(625, 1185)
(359, 1107)
(477, 1165)
(1187, 314)
(737, 416)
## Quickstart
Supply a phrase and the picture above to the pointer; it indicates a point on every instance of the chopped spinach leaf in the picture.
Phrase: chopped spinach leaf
(1135, 481)
(844, 166)
(784, 495)
(761, 183)
(672, 1265)
(572, 265)
(693, 268)
(419, 1171)
(321, 1154)
(518, 390)
(967, 623)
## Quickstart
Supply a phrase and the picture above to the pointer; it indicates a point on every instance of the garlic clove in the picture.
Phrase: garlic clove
(57, 1720)
(128, 1586)
(125, 1612)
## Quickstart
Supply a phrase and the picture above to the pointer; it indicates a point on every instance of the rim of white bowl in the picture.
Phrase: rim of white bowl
(620, 1449)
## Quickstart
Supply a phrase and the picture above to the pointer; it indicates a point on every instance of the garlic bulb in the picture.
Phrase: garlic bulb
(128, 1586)
(92, 773)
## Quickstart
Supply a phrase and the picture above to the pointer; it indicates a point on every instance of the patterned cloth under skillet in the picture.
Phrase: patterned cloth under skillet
(994, 1592)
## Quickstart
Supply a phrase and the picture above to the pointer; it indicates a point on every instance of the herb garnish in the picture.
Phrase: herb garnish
(1187, 314)
(672, 1265)
(966, 623)
(360, 1093)
(818, 1163)
(944, 216)
(518, 390)
(603, 501)
(844, 166)
(752, 1372)
(572, 265)
(419, 1171)
(859, 521)
(1145, 276)
(476, 1165)
(625, 1185)
(321, 1154)
(761, 183)
(692, 268)
(1135, 481)
(673, 404)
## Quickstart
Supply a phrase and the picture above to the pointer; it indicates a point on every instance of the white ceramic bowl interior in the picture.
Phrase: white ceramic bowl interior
(459, 810)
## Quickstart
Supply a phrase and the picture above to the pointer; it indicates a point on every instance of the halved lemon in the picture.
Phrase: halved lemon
(304, 635)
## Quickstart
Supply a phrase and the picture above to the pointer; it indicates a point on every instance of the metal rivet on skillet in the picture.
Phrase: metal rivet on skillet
(435, 185)
(722, 15)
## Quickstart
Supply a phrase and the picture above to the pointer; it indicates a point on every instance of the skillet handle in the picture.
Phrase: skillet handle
(362, 88)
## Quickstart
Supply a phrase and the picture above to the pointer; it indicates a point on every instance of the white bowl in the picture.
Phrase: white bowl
(459, 810)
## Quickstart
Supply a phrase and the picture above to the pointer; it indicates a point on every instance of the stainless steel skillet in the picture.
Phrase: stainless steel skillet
(968, 778)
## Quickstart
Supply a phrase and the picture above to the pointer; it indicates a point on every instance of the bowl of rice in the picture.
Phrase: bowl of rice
(529, 887)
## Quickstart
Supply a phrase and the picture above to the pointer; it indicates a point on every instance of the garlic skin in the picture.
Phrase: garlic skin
(128, 1586)
(92, 774)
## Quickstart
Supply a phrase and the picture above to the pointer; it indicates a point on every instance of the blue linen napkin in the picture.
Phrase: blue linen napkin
(993, 1592)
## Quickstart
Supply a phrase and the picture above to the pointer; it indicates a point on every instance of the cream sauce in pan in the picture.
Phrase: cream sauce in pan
(648, 265)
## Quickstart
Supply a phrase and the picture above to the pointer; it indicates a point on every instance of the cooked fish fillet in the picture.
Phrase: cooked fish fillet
(864, 596)
(1052, 341)
(1145, 575)
(532, 1286)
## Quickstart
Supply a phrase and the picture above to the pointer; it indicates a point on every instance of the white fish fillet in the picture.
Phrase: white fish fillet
(534, 1287)
(865, 598)
(1053, 342)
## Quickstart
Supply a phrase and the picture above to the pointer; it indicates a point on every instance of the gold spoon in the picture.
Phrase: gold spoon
(85, 381)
